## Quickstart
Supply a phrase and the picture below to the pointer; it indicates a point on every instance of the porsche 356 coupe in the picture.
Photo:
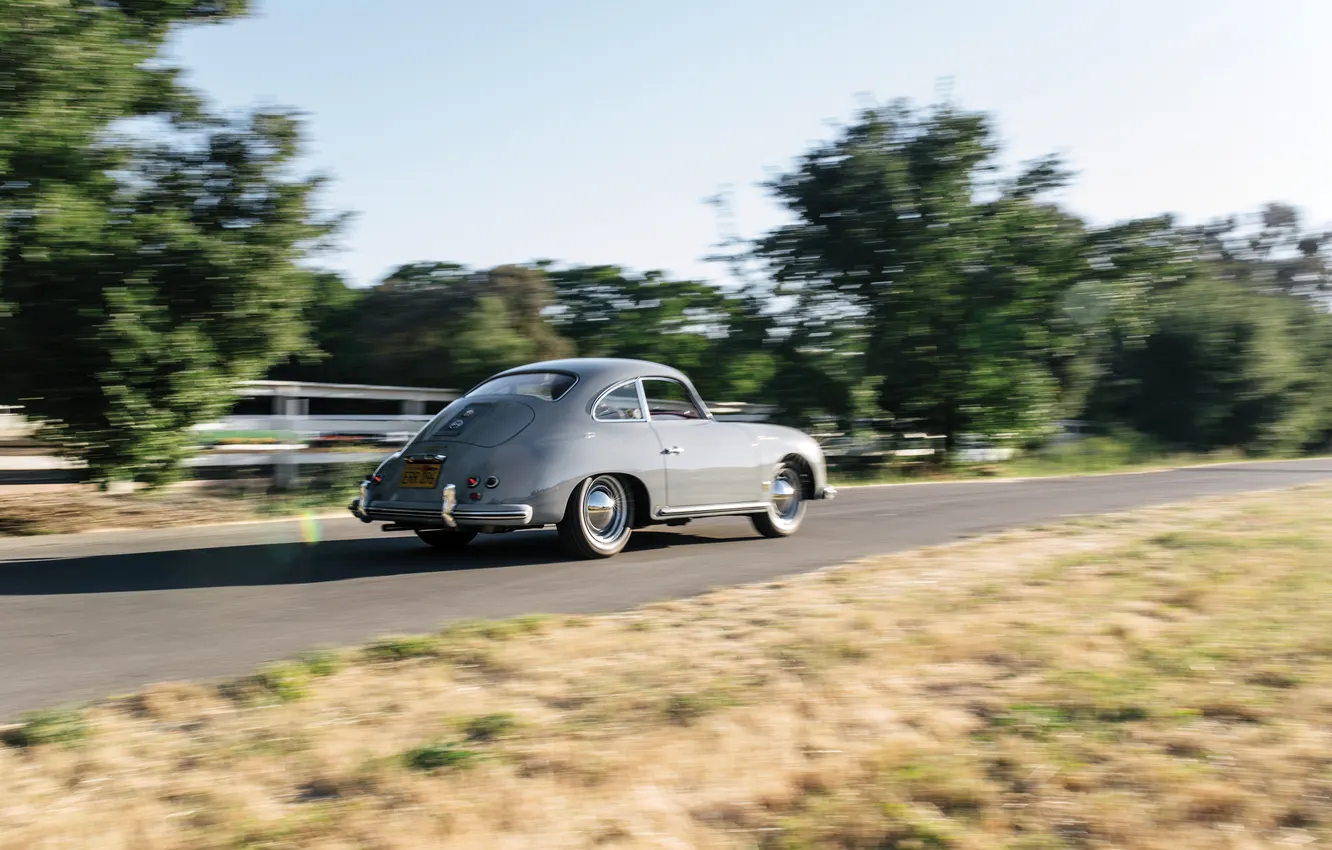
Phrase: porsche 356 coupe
(596, 447)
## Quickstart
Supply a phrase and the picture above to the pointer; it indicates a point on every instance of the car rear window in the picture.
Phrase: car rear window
(548, 386)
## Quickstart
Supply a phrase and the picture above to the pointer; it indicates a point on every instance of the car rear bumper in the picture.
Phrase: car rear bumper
(445, 515)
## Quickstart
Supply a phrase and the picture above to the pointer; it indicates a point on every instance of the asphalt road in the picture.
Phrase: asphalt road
(86, 616)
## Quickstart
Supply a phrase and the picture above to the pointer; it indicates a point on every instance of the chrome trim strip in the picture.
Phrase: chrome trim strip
(642, 398)
(522, 370)
(689, 391)
(384, 512)
(711, 510)
(462, 515)
(426, 458)
(642, 402)
(517, 514)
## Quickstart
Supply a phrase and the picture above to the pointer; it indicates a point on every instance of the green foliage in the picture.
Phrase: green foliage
(143, 273)
(1271, 252)
(67, 726)
(1225, 366)
(438, 756)
(138, 280)
(465, 630)
(973, 304)
(714, 335)
(285, 682)
(322, 662)
(1095, 454)
(402, 648)
(430, 324)
(945, 301)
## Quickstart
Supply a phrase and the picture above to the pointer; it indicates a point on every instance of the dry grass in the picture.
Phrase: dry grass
(74, 508)
(1157, 680)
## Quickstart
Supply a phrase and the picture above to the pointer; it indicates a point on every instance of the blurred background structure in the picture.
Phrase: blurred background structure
(924, 298)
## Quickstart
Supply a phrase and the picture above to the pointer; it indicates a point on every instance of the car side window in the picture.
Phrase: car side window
(668, 399)
(619, 405)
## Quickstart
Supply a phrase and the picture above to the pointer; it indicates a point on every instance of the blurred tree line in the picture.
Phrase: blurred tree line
(916, 281)
(151, 253)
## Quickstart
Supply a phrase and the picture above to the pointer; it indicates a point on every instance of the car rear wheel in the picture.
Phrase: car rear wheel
(599, 519)
(441, 538)
(786, 504)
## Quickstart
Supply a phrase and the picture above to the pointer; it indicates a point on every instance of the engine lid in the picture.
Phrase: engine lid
(478, 423)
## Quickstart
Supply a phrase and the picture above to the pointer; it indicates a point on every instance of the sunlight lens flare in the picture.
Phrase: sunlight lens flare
(312, 531)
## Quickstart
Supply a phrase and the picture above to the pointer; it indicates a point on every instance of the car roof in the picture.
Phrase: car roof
(601, 370)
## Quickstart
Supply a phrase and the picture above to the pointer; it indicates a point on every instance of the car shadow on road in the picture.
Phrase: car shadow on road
(299, 563)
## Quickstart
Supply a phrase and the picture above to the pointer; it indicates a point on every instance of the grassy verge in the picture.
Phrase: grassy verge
(1088, 456)
(84, 508)
(1160, 679)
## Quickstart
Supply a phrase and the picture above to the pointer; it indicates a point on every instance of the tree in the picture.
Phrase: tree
(695, 326)
(1225, 367)
(68, 70)
(433, 324)
(946, 297)
(331, 314)
(1271, 251)
(139, 278)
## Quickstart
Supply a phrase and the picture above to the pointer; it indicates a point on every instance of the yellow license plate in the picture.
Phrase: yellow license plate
(419, 475)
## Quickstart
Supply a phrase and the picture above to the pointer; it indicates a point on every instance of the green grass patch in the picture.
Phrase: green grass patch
(322, 662)
(439, 755)
(244, 437)
(1090, 455)
(286, 681)
(404, 647)
(496, 630)
(53, 726)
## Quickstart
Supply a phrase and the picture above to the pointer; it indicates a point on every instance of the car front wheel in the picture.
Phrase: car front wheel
(786, 505)
(599, 519)
(444, 539)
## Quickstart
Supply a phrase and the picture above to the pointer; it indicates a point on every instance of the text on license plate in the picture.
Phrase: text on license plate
(419, 475)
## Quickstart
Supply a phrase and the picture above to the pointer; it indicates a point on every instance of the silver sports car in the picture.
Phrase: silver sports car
(596, 447)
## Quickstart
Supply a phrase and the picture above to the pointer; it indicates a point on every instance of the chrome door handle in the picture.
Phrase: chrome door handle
(673, 450)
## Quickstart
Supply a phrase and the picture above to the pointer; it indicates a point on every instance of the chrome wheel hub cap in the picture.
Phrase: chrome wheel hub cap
(786, 494)
(600, 510)
(604, 510)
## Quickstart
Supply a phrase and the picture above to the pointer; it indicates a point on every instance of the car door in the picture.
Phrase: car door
(707, 462)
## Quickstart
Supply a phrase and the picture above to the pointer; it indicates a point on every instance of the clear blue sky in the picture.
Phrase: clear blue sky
(591, 131)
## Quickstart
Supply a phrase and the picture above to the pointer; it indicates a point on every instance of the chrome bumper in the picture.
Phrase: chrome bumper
(355, 506)
(501, 515)
(449, 513)
(828, 493)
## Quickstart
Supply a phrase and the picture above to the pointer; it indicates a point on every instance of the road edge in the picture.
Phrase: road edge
(1016, 479)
